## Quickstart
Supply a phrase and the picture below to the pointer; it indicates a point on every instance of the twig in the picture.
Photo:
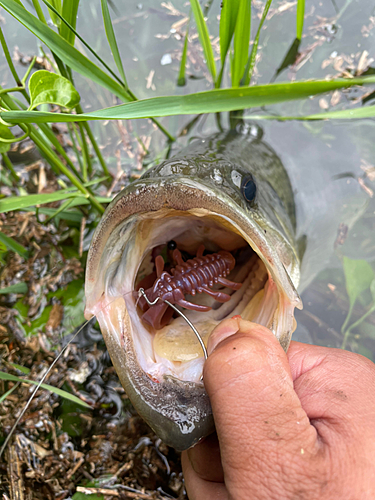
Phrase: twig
(92, 491)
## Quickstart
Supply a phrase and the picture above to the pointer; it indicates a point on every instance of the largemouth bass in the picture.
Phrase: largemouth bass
(230, 193)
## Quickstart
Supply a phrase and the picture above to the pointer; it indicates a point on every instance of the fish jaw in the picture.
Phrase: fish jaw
(177, 410)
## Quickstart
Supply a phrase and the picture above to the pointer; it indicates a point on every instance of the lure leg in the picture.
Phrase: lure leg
(200, 251)
(178, 257)
(219, 296)
(192, 307)
(158, 315)
(228, 283)
(159, 265)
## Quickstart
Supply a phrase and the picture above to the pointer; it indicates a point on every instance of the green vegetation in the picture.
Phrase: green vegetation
(55, 390)
(46, 88)
(43, 97)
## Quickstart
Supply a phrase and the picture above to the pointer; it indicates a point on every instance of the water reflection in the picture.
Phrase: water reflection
(337, 37)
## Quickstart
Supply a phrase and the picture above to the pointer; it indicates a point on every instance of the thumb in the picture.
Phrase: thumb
(261, 425)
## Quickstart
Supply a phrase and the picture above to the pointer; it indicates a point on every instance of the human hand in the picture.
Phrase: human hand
(295, 426)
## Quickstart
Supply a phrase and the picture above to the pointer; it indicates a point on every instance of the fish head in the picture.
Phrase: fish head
(190, 204)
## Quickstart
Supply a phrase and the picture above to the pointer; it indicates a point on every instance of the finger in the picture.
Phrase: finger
(198, 488)
(259, 419)
(205, 459)
(329, 383)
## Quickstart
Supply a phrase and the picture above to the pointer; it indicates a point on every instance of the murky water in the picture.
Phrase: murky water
(339, 35)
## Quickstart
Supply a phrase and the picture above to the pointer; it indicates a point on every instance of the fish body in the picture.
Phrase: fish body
(229, 192)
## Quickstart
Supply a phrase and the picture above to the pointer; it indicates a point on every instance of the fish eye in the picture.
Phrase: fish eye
(248, 188)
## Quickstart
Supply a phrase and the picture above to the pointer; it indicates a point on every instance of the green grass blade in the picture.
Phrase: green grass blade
(6, 394)
(22, 369)
(13, 245)
(93, 52)
(251, 61)
(241, 42)
(20, 202)
(68, 54)
(69, 13)
(17, 288)
(289, 58)
(112, 40)
(71, 215)
(55, 390)
(344, 114)
(300, 17)
(204, 37)
(57, 7)
(211, 101)
(228, 18)
(39, 11)
(181, 81)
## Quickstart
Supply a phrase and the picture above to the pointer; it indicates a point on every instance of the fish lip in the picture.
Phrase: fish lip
(149, 195)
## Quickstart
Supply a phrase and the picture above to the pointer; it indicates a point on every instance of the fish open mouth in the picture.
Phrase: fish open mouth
(127, 262)
(174, 349)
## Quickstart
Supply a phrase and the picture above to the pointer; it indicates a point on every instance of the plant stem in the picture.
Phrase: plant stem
(343, 328)
(39, 11)
(9, 58)
(96, 149)
(9, 165)
(12, 89)
(45, 129)
(63, 169)
(355, 324)
(53, 158)
(72, 133)
(85, 153)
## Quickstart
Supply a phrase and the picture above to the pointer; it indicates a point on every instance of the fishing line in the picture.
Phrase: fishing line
(143, 294)
(39, 384)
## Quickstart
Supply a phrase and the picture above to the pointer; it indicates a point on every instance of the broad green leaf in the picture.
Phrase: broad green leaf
(241, 42)
(204, 37)
(365, 352)
(367, 330)
(17, 288)
(372, 290)
(251, 61)
(66, 52)
(300, 18)
(228, 18)
(211, 101)
(13, 245)
(69, 13)
(49, 88)
(3, 248)
(112, 40)
(358, 277)
(55, 390)
(5, 133)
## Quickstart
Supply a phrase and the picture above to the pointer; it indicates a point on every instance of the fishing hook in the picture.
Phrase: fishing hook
(142, 293)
